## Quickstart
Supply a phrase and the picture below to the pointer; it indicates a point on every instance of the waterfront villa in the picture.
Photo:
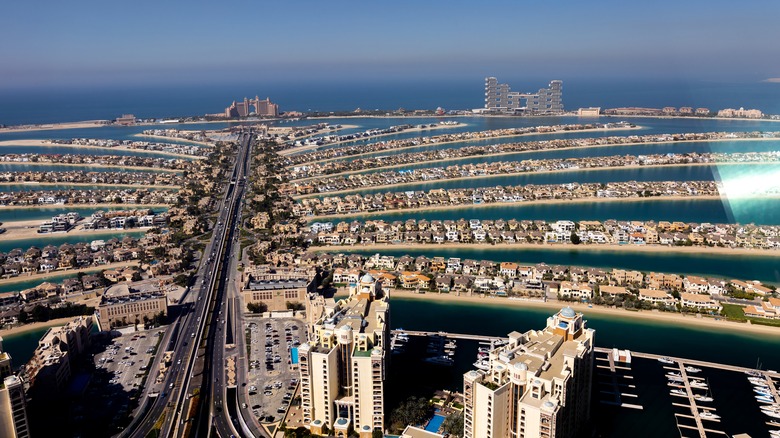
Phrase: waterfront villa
(657, 297)
(699, 302)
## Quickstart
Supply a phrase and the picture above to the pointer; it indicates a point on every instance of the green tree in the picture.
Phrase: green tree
(453, 424)
(257, 307)
(575, 239)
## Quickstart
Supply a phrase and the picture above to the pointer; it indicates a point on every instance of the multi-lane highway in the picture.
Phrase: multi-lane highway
(197, 336)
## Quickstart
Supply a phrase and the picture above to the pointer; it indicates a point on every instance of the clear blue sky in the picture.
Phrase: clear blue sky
(60, 43)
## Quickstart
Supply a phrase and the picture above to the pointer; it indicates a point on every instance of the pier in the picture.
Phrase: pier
(450, 335)
(617, 390)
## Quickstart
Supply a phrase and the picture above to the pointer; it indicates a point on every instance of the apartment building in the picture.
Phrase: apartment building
(343, 367)
(538, 384)
(13, 409)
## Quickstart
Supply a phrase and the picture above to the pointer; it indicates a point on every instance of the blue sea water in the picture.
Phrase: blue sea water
(63, 105)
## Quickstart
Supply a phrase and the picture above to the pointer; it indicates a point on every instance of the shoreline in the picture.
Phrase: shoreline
(661, 317)
(18, 330)
(655, 248)
(534, 202)
(85, 205)
(500, 154)
(28, 229)
(44, 276)
(384, 187)
(498, 137)
(45, 143)
(101, 165)
(296, 150)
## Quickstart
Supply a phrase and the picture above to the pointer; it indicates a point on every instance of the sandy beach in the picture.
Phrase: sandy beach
(379, 247)
(47, 127)
(401, 211)
(18, 230)
(432, 182)
(662, 317)
(499, 137)
(46, 143)
(47, 275)
(95, 206)
(501, 154)
(313, 147)
(35, 326)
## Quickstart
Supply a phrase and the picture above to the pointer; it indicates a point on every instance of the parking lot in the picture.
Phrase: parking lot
(273, 378)
(111, 395)
(126, 358)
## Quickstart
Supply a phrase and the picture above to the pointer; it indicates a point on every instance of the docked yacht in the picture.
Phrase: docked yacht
(707, 415)
(765, 399)
(697, 384)
(703, 398)
(483, 365)
(692, 370)
(665, 360)
(678, 391)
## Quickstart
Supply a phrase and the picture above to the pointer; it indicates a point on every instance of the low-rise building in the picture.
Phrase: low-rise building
(699, 301)
(123, 305)
(657, 297)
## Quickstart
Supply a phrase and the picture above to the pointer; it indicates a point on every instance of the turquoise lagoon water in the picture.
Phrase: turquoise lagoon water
(715, 172)
(745, 210)
(606, 151)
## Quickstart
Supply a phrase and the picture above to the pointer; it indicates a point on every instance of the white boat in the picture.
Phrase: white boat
(678, 380)
(678, 392)
(692, 370)
(707, 415)
(764, 393)
(665, 360)
(757, 380)
(482, 365)
(703, 398)
(670, 375)
(774, 433)
(772, 414)
(440, 360)
(697, 384)
(764, 399)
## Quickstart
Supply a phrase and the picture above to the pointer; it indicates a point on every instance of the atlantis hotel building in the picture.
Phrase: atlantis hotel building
(499, 98)
(537, 385)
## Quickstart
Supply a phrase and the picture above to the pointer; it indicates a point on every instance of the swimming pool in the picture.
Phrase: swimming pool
(435, 423)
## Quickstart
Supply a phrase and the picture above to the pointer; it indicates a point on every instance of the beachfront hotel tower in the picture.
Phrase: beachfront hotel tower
(344, 364)
(537, 385)
(500, 98)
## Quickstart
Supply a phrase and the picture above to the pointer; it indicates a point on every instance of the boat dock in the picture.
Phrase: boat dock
(451, 335)
(617, 389)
